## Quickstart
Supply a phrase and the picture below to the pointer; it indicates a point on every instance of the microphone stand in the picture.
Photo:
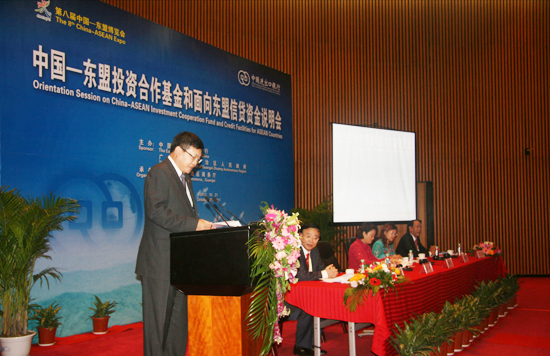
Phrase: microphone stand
(217, 211)
(230, 213)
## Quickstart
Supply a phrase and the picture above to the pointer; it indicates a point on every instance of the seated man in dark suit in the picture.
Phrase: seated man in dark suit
(311, 268)
(411, 240)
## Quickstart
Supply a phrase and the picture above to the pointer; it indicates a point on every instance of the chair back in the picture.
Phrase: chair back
(347, 245)
(327, 255)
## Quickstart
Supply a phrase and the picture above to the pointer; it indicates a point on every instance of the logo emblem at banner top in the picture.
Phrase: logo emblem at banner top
(43, 10)
(244, 78)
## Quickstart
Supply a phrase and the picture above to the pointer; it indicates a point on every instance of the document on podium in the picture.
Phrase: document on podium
(222, 224)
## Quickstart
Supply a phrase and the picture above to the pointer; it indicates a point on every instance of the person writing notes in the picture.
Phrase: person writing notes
(361, 249)
(384, 246)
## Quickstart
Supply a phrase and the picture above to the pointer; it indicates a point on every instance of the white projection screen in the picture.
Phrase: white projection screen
(374, 174)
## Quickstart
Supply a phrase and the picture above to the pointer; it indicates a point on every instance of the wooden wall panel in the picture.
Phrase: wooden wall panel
(470, 77)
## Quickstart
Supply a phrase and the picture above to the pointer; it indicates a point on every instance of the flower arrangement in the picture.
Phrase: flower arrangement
(488, 247)
(377, 275)
(275, 250)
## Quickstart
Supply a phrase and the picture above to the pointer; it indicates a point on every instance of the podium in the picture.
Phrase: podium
(212, 268)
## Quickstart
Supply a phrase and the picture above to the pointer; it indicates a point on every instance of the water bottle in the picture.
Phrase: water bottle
(362, 267)
(411, 255)
(436, 252)
(459, 250)
(387, 260)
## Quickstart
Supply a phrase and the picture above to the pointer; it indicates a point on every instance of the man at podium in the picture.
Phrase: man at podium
(170, 206)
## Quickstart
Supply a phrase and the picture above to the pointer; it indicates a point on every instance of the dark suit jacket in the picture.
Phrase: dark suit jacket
(167, 210)
(316, 262)
(407, 243)
(304, 275)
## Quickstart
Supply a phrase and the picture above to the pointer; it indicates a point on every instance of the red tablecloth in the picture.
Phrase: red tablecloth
(421, 294)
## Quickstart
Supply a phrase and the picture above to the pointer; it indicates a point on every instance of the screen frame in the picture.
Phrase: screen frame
(376, 222)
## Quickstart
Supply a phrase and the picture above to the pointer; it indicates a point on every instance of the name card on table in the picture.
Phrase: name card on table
(464, 257)
(426, 268)
(449, 263)
(479, 254)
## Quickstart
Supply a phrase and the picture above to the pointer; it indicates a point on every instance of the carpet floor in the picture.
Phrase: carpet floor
(524, 331)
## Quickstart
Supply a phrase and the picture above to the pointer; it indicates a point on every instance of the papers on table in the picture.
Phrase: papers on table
(232, 223)
(340, 279)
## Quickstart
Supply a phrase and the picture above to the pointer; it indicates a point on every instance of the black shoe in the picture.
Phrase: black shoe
(304, 351)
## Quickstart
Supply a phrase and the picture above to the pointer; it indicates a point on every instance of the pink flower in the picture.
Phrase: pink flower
(294, 256)
(284, 230)
(279, 243)
(277, 334)
(354, 284)
(280, 255)
(281, 232)
(291, 239)
(276, 226)
(280, 305)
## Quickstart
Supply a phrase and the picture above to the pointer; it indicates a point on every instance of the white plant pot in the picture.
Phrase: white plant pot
(16, 346)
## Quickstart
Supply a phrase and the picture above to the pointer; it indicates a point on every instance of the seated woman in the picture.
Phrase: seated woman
(360, 249)
(384, 245)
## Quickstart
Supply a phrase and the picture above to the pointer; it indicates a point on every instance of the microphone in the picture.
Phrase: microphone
(230, 213)
(217, 211)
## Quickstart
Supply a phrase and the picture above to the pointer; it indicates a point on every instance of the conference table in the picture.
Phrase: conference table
(419, 294)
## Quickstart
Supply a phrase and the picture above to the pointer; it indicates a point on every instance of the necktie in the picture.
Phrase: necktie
(307, 261)
(182, 177)
(416, 243)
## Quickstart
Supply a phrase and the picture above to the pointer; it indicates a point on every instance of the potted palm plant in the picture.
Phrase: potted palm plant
(485, 299)
(470, 317)
(495, 299)
(426, 334)
(412, 339)
(511, 284)
(48, 322)
(26, 226)
(452, 314)
(101, 315)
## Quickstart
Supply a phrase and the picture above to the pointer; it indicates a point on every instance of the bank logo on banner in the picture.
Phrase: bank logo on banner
(244, 78)
(258, 82)
(43, 9)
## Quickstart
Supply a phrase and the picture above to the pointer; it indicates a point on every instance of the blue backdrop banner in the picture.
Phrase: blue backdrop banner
(90, 99)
